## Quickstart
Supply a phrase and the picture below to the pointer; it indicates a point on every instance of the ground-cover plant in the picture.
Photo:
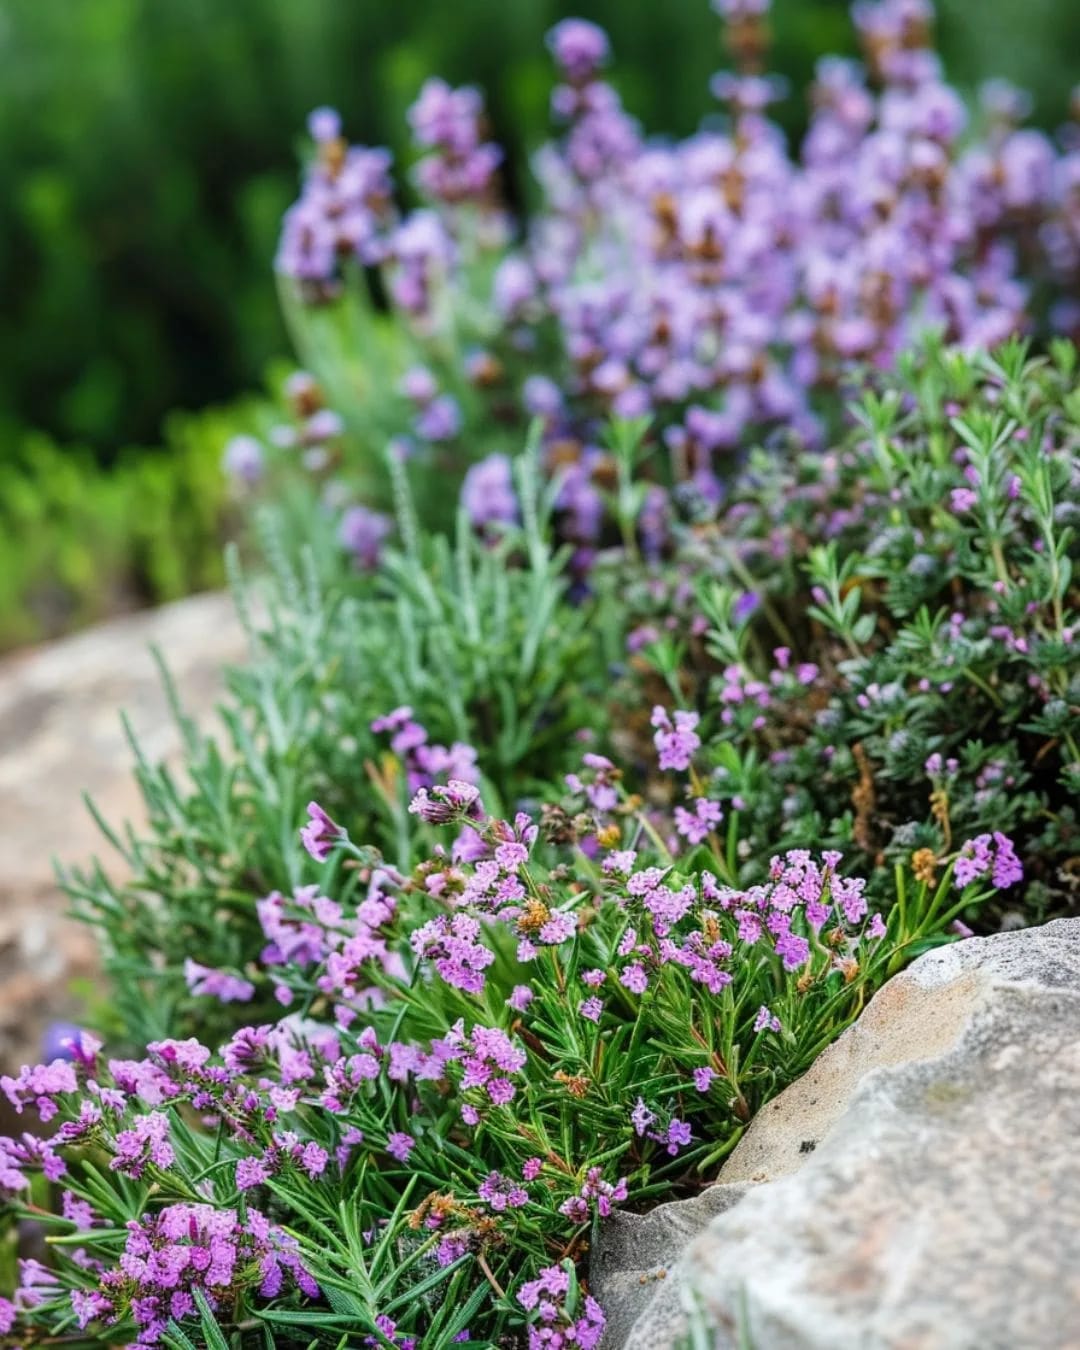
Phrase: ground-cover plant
(475, 636)
(886, 656)
(723, 284)
(479, 1059)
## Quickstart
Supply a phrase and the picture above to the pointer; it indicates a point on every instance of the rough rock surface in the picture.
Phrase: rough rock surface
(917, 1189)
(635, 1271)
(60, 734)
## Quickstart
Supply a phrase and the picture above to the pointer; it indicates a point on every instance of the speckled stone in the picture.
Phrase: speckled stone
(635, 1269)
(938, 1205)
(61, 734)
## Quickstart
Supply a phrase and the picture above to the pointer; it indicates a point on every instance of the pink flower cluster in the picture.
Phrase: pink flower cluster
(189, 1248)
(721, 282)
(309, 929)
(425, 763)
(501, 1192)
(597, 1195)
(450, 945)
(990, 855)
(675, 741)
(555, 1328)
(787, 913)
(488, 1059)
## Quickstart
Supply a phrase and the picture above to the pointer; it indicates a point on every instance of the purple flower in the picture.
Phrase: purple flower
(320, 834)
(745, 606)
(38, 1085)
(676, 743)
(146, 1142)
(399, 1145)
(251, 1172)
(324, 124)
(450, 944)
(678, 1136)
(205, 981)
(440, 420)
(243, 459)
(634, 978)
(542, 397)
(419, 385)
(793, 950)
(765, 1021)
(441, 804)
(520, 997)
(363, 533)
(60, 1041)
(1008, 869)
(194, 1248)
(487, 494)
(580, 48)
(988, 854)
(703, 1078)
(641, 1117)
(502, 1193)
(696, 826)
(554, 1326)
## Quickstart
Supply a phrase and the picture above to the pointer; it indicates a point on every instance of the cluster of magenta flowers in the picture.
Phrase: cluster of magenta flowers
(724, 284)
(557, 1325)
(173, 1255)
(185, 1248)
(452, 1055)
(989, 855)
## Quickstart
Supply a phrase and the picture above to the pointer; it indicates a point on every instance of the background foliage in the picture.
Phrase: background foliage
(147, 152)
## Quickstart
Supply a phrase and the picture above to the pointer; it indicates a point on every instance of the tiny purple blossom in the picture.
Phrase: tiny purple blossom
(678, 1136)
(205, 981)
(676, 742)
(641, 1117)
(441, 804)
(399, 1145)
(320, 834)
(765, 1021)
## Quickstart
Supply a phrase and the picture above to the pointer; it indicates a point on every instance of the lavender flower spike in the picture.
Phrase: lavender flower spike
(320, 834)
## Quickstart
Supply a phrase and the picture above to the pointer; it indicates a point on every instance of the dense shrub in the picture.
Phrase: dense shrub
(865, 678)
(888, 655)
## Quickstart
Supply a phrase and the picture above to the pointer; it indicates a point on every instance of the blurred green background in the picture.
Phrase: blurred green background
(147, 151)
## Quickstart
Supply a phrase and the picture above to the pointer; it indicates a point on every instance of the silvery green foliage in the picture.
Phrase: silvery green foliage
(475, 635)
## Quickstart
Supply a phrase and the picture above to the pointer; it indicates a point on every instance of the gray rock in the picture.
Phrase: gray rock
(61, 734)
(939, 1208)
(634, 1271)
